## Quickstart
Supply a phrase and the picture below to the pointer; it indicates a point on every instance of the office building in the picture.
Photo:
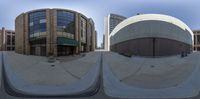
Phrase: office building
(7, 40)
(196, 46)
(54, 32)
(110, 22)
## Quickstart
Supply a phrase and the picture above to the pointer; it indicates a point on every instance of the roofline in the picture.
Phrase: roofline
(196, 30)
(147, 17)
(117, 15)
(7, 29)
(35, 10)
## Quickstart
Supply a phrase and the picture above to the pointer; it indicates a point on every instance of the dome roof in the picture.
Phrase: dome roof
(152, 25)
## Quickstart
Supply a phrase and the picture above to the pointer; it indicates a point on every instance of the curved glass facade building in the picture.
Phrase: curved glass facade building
(55, 32)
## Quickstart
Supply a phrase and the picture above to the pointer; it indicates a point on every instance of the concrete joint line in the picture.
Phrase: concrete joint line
(70, 73)
(134, 73)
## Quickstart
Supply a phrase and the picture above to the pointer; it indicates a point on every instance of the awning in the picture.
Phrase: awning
(66, 41)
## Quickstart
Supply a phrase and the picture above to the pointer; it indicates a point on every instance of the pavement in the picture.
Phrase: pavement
(99, 94)
(34, 75)
(140, 77)
(118, 76)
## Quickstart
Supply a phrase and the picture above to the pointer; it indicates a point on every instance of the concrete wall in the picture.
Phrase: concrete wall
(151, 47)
(76, 36)
(20, 34)
(48, 37)
(3, 39)
(93, 45)
(26, 35)
(92, 35)
(152, 28)
(54, 30)
(88, 35)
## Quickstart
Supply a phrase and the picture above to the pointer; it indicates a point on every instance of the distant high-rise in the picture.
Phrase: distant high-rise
(110, 22)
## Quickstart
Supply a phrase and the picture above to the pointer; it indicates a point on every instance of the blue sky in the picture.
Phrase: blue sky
(186, 10)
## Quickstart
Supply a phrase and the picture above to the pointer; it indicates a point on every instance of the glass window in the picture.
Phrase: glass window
(194, 39)
(198, 39)
(8, 39)
(37, 23)
(83, 29)
(113, 23)
(8, 48)
(13, 40)
(65, 22)
(31, 24)
(38, 41)
(42, 20)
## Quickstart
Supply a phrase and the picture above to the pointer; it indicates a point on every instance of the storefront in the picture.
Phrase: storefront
(66, 46)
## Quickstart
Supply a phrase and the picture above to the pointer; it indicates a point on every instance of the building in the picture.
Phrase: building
(151, 35)
(103, 43)
(110, 22)
(7, 40)
(55, 32)
(95, 39)
(196, 40)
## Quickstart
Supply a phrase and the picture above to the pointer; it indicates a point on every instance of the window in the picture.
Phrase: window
(37, 23)
(13, 40)
(8, 39)
(43, 21)
(198, 39)
(83, 29)
(113, 23)
(38, 41)
(8, 48)
(31, 24)
(65, 22)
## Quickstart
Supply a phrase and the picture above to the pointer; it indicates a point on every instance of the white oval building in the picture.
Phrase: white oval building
(151, 35)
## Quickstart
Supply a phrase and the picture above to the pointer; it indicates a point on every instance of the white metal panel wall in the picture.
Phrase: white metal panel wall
(152, 28)
(158, 17)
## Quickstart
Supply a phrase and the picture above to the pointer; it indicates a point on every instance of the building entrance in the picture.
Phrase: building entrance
(65, 50)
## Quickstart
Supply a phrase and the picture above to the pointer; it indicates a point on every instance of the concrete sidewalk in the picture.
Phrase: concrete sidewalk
(139, 77)
(33, 75)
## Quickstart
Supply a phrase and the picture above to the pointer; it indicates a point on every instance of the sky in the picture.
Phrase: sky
(186, 10)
